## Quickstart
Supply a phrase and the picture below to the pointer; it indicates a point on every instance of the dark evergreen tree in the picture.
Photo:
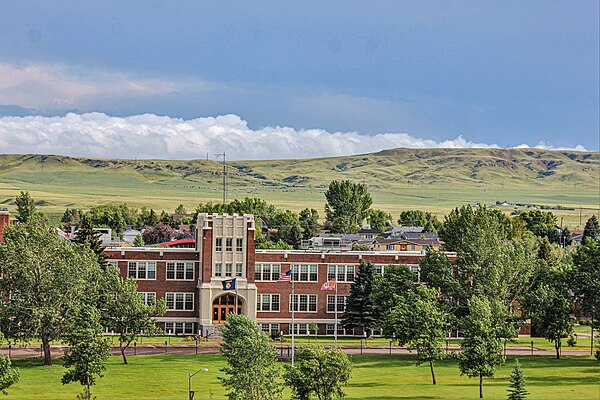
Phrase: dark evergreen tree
(25, 207)
(592, 229)
(517, 383)
(165, 218)
(87, 236)
(360, 311)
(309, 221)
(152, 218)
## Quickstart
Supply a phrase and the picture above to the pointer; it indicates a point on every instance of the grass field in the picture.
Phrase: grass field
(374, 377)
(435, 180)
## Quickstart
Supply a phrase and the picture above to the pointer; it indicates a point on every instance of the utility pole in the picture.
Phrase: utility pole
(224, 181)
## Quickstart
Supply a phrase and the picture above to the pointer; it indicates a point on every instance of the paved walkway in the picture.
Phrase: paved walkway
(284, 350)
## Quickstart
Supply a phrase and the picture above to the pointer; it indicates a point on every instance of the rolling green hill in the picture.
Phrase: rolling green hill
(432, 179)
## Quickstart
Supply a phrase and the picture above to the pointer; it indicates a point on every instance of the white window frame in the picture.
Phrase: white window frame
(228, 270)
(273, 274)
(147, 270)
(299, 329)
(218, 269)
(176, 266)
(239, 269)
(301, 299)
(265, 302)
(187, 328)
(347, 272)
(339, 301)
(329, 329)
(147, 297)
(269, 328)
(174, 298)
(310, 272)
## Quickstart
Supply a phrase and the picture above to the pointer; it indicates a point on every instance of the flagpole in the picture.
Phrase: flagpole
(335, 326)
(294, 305)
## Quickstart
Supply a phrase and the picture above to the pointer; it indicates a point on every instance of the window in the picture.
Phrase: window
(267, 302)
(340, 330)
(416, 269)
(390, 247)
(267, 272)
(180, 301)
(218, 244)
(229, 244)
(304, 273)
(142, 270)
(179, 328)
(180, 271)
(239, 245)
(331, 303)
(341, 273)
(228, 270)
(380, 269)
(218, 269)
(114, 265)
(303, 302)
(148, 297)
(238, 269)
(300, 329)
(268, 328)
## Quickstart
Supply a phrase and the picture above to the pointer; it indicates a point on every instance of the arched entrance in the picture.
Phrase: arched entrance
(224, 305)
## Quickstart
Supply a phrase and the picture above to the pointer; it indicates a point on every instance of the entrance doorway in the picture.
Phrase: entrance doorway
(223, 306)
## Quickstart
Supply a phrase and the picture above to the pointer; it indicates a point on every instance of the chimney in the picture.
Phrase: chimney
(4, 222)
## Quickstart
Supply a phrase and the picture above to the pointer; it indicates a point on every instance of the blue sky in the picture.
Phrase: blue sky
(505, 73)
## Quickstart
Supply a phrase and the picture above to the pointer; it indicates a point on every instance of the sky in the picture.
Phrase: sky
(272, 79)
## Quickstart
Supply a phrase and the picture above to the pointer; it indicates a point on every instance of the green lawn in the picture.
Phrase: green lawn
(374, 377)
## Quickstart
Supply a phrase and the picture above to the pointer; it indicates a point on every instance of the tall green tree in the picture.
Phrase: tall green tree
(128, 316)
(389, 288)
(360, 311)
(286, 227)
(541, 224)
(252, 371)
(318, 372)
(517, 390)
(419, 322)
(180, 209)
(592, 229)
(379, 219)
(88, 351)
(88, 237)
(26, 209)
(549, 305)
(8, 375)
(586, 276)
(47, 279)
(481, 346)
(309, 221)
(251, 205)
(427, 220)
(347, 205)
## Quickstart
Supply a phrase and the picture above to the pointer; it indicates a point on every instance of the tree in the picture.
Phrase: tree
(152, 218)
(379, 219)
(158, 234)
(280, 245)
(389, 287)
(517, 383)
(25, 207)
(427, 220)
(586, 276)
(128, 316)
(47, 279)
(286, 227)
(8, 375)
(481, 347)
(360, 310)
(541, 224)
(88, 351)
(318, 372)
(250, 205)
(592, 229)
(347, 205)
(87, 236)
(180, 209)
(138, 241)
(309, 221)
(252, 371)
(421, 323)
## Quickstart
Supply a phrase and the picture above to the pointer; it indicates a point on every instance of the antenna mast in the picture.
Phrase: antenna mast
(224, 181)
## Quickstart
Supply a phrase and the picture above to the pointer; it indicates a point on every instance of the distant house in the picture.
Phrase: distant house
(368, 233)
(406, 245)
(398, 231)
(130, 234)
(577, 237)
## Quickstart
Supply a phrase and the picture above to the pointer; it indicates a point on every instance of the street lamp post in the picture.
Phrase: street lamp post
(190, 392)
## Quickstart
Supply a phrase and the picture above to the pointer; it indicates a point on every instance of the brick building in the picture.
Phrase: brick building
(191, 279)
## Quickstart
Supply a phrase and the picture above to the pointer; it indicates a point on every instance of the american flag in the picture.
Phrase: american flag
(285, 277)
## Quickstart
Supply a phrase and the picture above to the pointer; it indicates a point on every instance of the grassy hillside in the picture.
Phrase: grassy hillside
(432, 179)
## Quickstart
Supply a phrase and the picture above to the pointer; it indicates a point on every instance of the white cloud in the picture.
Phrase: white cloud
(547, 146)
(50, 86)
(152, 136)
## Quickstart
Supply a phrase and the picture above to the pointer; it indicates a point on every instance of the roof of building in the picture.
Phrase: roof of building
(179, 242)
